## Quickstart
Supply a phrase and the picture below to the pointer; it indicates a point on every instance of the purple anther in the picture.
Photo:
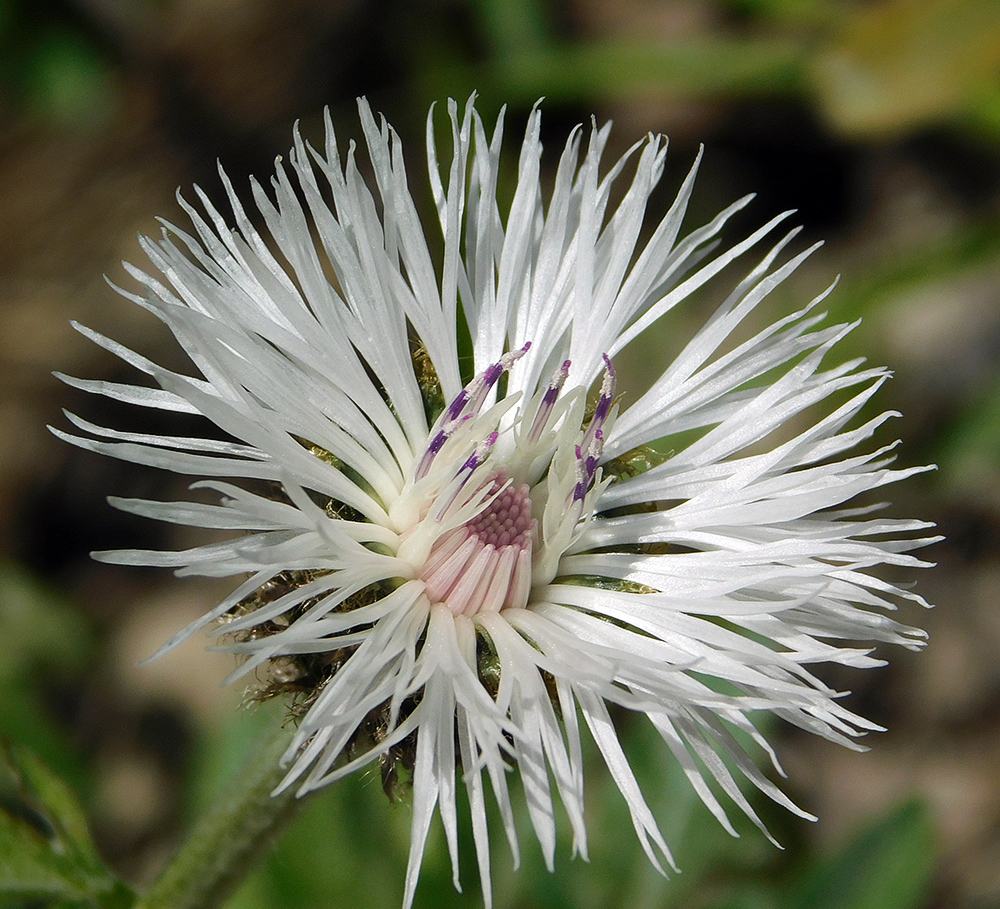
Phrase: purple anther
(509, 359)
(548, 402)
(482, 449)
(457, 406)
(436, 444)
(432, 450)
(556, 384)
(463, 475)
(608, 386)
(583, 477)
(471, 463)
(479, 387)
(493, 373)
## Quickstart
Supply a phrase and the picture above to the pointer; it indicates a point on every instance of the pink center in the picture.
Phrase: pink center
(485, 565)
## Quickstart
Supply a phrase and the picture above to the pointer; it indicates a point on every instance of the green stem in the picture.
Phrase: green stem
(227, 842)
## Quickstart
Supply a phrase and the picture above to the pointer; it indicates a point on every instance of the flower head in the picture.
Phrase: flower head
(459, 572)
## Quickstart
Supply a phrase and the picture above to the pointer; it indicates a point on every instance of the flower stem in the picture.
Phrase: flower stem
(228, 841)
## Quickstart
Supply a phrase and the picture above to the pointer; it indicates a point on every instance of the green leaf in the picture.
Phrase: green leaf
(888, 866)
(46, 852)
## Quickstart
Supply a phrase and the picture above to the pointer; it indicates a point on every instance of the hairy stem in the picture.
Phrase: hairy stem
(229, 840)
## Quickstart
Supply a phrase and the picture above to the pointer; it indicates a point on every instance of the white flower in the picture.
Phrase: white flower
(467, 572)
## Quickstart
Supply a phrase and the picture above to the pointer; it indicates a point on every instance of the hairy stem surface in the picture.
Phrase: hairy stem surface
(231, 838)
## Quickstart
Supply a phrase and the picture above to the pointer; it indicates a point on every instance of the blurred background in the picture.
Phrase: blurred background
(879, 120)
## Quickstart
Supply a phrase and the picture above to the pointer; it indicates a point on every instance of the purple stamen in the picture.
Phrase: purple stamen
(555, 386)
(548, 402)
(479, 387)
(457, 406)
(479, 455)
(471, 463)
(465, 407)
(608, 386)
(492, 374)
(582, 481)
(437, 443)
(464, 473)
